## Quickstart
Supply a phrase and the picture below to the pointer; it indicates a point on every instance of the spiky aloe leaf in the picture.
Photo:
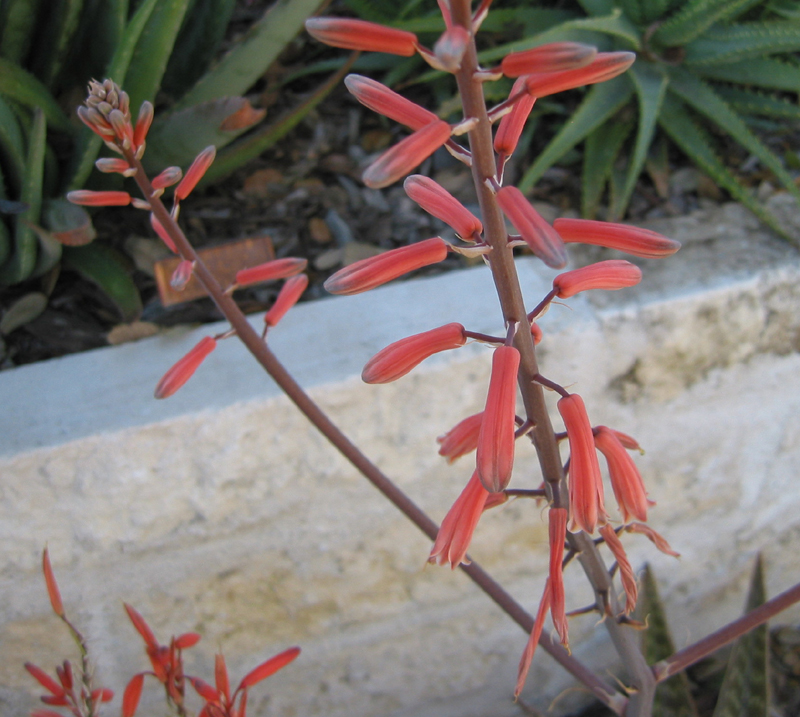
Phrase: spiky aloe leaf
(745, 689)
(600, 153)
(749, 102)
(19, 20)
(104, 267)
(785, 8)
(21, 86)
(654, 10)
(650, 82)
(601, 102)
(673, 697)
(694, 18)
(178, 137)
(23, 260)
(237, 71)
(696, 144)
(88, 144)
(703, 99)
(152, 52)
(732, 43)
(764, 72)
(12, 144)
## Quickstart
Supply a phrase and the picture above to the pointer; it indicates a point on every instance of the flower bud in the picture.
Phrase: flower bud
(182, 371)
(288, 296)
(605, 66)
(382, 100)
(89, 198)
(512, 124)
(437, 201)
(537, 233)
(553, 57)
(350, 34)
(461, 439)
(195, 172)
(450, 48)
(608, 275)
(167, 177)
(270, 271)
(623, 237)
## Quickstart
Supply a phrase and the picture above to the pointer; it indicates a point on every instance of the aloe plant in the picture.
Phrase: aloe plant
(153, 46)
(704, 67)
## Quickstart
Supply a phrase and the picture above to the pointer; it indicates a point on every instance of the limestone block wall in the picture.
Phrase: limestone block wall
(221, 511)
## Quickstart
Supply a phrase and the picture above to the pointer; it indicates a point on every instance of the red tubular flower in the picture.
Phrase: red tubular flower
(625, 570)
(553, 57)
(89, 198)
(368, 273)
(350, 34)
(450, 48)
(195, 172)
(557, 522)
(270, 667)
(182, 371)
(585, 483)
(655, 538)
(399, 160)
(608, 275)
(625, 477)
(132, 694)
(632, 240)
(437, 201)
(512, 124)
(44, 679)
(52, 586)
(495, 457)
(382, 100)
(456, 531)
(163, 234)
(399, 358)
(533, 640)
(143, 121)
(167, 177)
(461, 439)
(537, 233)
(107, 165)
(605, 66)
(290, 292)
(270, 271)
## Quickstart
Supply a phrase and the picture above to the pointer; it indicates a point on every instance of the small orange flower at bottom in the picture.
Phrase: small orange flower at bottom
(182, 371)
(458, 525)
(461, 439)
(557, 524)
(533, 640)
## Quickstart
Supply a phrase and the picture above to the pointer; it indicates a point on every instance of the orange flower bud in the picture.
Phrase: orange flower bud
(461, 439)
(605, 66)
(350, 34)
(221, 677)
(533, 640)
(585, 483)
(399, 160)
(450, 48)
(557, 522)
(52, 586)
(402, 356)
(373, 271)
(167, 177)
(182, 371)
(382, 100)
(107, 165)
(180, 277)
(536, 332)
(195, 172)
(625, 477)
(459, 524)
(271, 270)
(290, 292)
(537, 233)
(270, 667)
(626, 573)
(437, 201)
(495, 457)
(512, 124)
(132, 694)
(89, 198)
(143, 121)
(608, 275)
(624, 237)
(163, 234)
(553, 57)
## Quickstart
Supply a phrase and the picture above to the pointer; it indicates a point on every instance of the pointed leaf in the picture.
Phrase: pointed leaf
(23, 87)
(19, 21)
(62, 26)
(600, 103)
(696, 144)
(237, 71)
(12, 144)
(600, 153)
(695, 17)
(103, 266)
(704, 100)
(733, 43)
(764, 72)
(750, 102)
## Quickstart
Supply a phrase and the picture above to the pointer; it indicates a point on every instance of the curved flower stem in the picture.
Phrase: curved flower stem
(505, 277)
(262, 353)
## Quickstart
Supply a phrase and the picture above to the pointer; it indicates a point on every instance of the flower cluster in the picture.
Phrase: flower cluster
(492, 434)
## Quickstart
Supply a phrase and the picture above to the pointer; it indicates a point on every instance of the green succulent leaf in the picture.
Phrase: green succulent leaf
(88, 144)
(23, 260)
(732, 43)
(602, 101)
(701, 96)
(12, 144)
(104, 267)
(694, 18)
(177, 138)
(693, 140)
(237, 71)
(5, 242)
(19, 20)
(21, 86)
(749, 102)
(745, 688)
(785, 8)
(633, 10)
(655, 10)
(152, 52)
(62, 26)
(597, 7)
(650, 82)
(602, 149)
(764, 72)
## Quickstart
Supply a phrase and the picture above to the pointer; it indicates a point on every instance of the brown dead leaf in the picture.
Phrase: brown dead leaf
(126, 333)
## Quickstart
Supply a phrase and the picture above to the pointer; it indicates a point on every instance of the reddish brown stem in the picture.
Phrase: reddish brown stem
(689, 655)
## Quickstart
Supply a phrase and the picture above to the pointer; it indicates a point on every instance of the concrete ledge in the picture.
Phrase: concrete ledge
(221, 511)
